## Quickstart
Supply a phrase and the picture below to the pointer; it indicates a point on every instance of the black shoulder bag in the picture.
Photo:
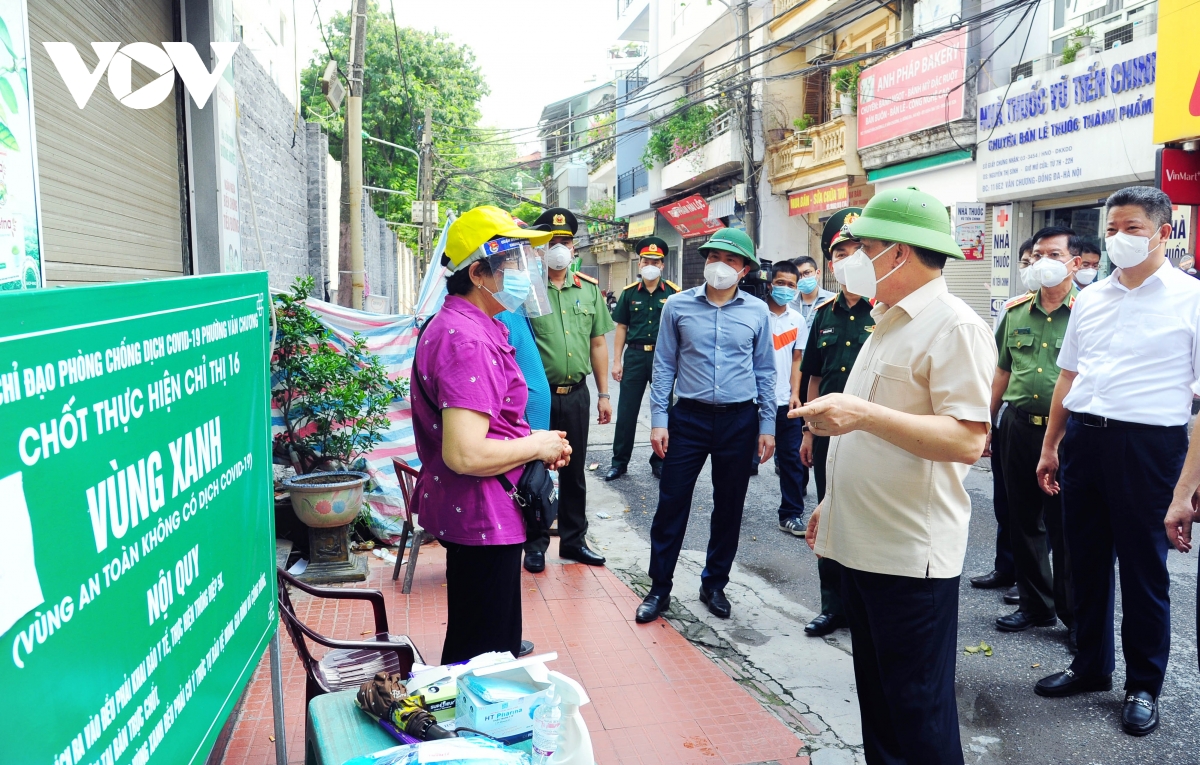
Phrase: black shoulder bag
(534, 493)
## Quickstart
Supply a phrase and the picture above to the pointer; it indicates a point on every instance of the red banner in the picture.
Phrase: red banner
(918, 89)
(690, 217)
(832, 196)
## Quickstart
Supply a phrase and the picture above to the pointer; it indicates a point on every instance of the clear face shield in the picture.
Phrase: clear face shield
(517, 268)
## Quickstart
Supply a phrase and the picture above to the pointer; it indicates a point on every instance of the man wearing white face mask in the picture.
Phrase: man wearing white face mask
(912, 421)
(1089, 269)
(1129, 359)
(1028, 339)
(715, 350)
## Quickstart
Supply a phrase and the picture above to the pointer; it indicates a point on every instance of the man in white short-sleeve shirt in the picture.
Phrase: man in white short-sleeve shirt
(789, 334)
(1119, 417)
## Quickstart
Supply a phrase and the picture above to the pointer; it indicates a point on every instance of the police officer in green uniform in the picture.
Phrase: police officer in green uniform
(1029, 338)
(841, 325)
(571, 341)
(637, 315)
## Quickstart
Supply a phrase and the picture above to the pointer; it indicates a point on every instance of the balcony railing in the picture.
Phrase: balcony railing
(824, 144)
(632, 182)
(602, 153)
(720, 125)
(636, 79)
(780, 6)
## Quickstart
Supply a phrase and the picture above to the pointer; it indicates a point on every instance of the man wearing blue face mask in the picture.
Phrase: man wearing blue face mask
(812, 294)
(789, 333)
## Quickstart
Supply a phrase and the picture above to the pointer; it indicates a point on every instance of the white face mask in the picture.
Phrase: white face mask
(1029, 278)
(1086, 276)
(650, 273)
(558, 257)
(720, 276)
(1127, 250)
(839, 272)
(1048, 272)
(860, 272)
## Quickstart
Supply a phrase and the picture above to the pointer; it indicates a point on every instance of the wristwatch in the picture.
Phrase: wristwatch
(603, 395)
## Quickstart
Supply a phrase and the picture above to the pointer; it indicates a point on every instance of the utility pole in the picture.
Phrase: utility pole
(426, 191)
(906, 19)
(353, 151)
(747, 127)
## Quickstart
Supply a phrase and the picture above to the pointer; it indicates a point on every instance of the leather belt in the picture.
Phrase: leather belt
(648, 348)
(563, 390)
(1037, 420)
(1095, 421)
(701, 406)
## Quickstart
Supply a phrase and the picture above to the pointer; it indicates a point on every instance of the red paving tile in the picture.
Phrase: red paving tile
(655, 697)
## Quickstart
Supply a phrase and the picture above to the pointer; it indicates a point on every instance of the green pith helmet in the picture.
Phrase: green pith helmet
(909, 216)
(732, 240)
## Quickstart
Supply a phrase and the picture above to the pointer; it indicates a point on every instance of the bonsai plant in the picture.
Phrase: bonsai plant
(1078, 40)
(334, 406)
(803, 123)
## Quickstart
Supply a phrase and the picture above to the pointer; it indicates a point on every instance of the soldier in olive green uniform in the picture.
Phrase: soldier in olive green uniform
(1029, 338)
(840, 328)
(571, 341)
(637, 314)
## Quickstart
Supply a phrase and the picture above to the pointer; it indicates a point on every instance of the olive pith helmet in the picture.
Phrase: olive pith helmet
(908, 216)
(732, 240)
(837, 229)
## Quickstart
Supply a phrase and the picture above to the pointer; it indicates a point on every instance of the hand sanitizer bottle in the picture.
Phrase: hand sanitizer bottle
(547, 719)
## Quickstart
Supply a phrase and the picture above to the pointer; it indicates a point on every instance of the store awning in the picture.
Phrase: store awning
(722, 205)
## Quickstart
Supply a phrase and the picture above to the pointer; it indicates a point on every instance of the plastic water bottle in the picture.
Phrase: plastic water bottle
(547, 721)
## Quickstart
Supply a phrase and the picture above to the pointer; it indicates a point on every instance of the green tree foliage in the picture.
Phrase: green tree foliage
(684, 131)
(527, 212)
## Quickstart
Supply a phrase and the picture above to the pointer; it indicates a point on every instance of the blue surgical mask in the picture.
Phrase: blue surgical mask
(515, 289)
(783, 295)
(807, 284)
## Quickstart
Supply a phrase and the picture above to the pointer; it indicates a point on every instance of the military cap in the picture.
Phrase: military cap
(652, 247)
(559, 221)
(837, 229)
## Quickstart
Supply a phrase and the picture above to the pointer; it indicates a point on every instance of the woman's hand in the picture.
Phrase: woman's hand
(552, 447)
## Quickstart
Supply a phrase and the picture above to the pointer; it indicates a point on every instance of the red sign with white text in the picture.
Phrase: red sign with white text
(918, 89)
(1178, 175)
(690, 217)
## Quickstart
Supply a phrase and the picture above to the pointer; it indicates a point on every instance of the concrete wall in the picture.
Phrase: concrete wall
(317, 149)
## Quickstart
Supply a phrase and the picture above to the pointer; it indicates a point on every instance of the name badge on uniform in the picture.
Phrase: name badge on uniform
(870, 329)
(827, 331)
(1023, 331)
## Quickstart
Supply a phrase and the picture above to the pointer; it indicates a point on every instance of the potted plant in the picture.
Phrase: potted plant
(803, 123)
(845, 84)
(1083, 36)
(334, 408)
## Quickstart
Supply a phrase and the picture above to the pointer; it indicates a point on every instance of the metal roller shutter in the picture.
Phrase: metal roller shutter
(971, 281)
(693, 262)
(109, 175)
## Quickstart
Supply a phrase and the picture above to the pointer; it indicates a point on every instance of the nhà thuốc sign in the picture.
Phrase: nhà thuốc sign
(137, 588)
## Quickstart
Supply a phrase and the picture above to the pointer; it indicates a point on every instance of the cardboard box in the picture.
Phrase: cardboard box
(510, 718)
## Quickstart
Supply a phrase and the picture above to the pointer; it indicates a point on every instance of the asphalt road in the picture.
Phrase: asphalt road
(1002, 720)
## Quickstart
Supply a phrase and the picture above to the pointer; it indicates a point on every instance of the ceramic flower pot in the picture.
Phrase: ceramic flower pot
(327, 500)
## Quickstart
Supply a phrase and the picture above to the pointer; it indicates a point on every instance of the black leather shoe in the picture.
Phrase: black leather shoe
(535, 562)
(651, 608)
(1139, 716)
(581, 554)
(614, 473)
(656, 468)
(1066, 683)
(823, 625)
(990, 581)
(526, 648)
(1019, 621)
(716, 601)
(1012, 597)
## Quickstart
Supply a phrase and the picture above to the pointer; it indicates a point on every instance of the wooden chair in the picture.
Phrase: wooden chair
(349, 663)
(407, 475)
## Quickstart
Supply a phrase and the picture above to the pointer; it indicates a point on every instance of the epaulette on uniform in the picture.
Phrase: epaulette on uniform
(630, 286)
(1019, 299)
(1071, 302)
(585, 277)
(672, 285)
(825, 302)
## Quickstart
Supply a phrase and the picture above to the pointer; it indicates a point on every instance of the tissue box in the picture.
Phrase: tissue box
(439, 687)
(520, 686)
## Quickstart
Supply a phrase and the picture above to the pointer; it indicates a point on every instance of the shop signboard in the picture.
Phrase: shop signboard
(968, 228)
(1177, 92)
(1081, 126)
(918, 89)
(1002, 245)
(137, 585)
(641, 225)
(830, 196)
(690, 216)
(20, 219)
(1179, 246)
(1177, 173)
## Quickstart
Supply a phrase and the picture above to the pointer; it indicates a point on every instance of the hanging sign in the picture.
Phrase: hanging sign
(691, 217)
(137, 587)
(1001, 256)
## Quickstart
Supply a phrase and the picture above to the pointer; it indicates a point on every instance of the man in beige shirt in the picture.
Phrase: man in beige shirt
(912, 420)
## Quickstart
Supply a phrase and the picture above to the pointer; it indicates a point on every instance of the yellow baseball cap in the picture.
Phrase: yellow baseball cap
(476, 226)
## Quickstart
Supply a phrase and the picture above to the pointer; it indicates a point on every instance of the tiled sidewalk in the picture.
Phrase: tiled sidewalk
(655, 697)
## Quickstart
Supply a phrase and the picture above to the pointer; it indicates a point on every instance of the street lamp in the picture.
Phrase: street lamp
(395, 146)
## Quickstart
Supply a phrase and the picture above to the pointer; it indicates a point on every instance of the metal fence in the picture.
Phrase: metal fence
(632, 182)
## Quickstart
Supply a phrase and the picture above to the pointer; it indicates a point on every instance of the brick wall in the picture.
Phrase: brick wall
(317, 145)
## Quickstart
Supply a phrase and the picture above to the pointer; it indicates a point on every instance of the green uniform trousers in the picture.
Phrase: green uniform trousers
(638, 364)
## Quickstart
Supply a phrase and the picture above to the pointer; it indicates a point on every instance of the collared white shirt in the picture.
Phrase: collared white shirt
(789, 333)
(889, 511)
(1136, 352)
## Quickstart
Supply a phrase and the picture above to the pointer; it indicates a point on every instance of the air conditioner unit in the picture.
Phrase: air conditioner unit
(819, 49)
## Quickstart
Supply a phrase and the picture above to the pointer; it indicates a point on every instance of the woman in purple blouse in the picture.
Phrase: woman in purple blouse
(469, 426)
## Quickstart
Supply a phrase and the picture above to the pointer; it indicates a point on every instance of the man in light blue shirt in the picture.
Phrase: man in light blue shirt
(715, 349)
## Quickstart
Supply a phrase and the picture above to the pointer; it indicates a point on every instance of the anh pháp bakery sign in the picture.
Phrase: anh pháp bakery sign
(1083, 125)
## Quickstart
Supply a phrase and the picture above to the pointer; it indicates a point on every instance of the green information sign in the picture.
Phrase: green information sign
(137, 586)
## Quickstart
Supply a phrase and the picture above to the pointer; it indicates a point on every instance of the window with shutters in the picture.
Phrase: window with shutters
(879, 42)
(695, 83)
(817, 96)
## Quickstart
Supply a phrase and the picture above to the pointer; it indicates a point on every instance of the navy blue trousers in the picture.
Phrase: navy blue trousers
(904, 632)
(793, 475)
(694, 436)
(1116, 487)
